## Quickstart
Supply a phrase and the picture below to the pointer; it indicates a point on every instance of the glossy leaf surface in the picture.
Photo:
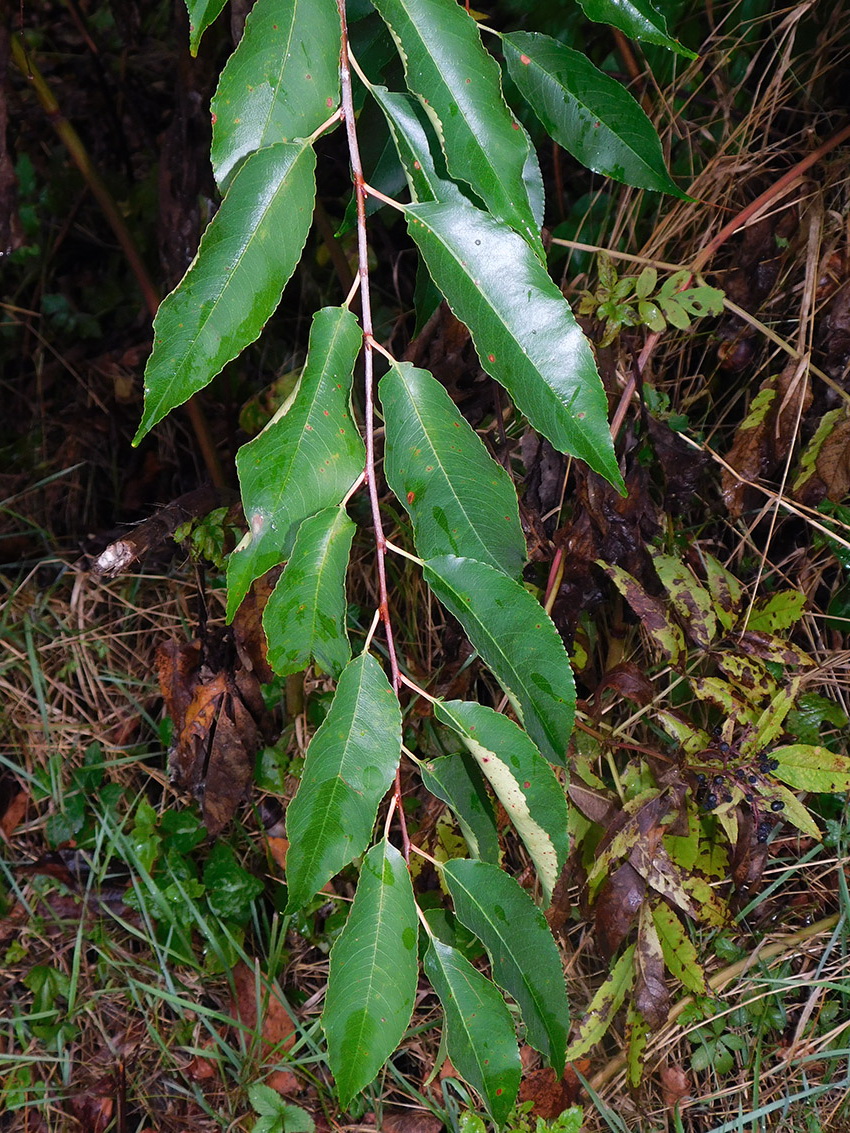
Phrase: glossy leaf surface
(480, 1033)
(525, 959)
(349, 766)
(235, 282)
(517, 640)
(637, 18)
(202, 13)
(373, 973)
(304, 618)
(303, 461)
(281, 82)
(447, 66)
(460, 500)
(523, 781)
(457, 780)
(417, 145)
(587, 112)
(525, 333)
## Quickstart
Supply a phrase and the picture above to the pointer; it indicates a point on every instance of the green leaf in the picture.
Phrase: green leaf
(637, 18)
(690, 600)
(264, 1100)
(235, 281)
(281, 82)
(306, 459)
(460, 84)
(812, 768)
(604, 1006)
(725, 590)
(587, 112)
(202, 13)
(525, 333)
(418, 147)
(812, 711)
(480, 1035)
(517, 640)
(305, 616)
(662, 629)
(373, 973)
(523, 782)
(349, 766)
(637, 1035)
(778, 612)
(680, 956)
(524, 957)
(460, 500)
(457, 780)
(793, 810)
(276, 1114)
(230, 888)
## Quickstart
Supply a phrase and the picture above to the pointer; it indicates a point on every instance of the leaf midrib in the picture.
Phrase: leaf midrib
(452, 95)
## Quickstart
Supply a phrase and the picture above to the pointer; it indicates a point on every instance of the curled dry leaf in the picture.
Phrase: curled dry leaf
(249, 637)
(215, 715)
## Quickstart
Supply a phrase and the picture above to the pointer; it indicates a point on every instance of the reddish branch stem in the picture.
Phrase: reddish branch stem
(369, 378)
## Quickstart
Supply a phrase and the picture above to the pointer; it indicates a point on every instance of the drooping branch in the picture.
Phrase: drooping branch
(360, 194)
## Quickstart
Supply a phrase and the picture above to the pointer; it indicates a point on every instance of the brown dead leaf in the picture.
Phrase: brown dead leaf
(248, 634)
(277, 849)
(176, 668)
(284, 1081)
(607, 527)
(202, 1069)
(616, 907)
(259, 1006)
(14, 813)
(834, 334)
(684, 469)
(410, 1121)
(750, 856)
(231, 763)
(549, 1095)
(651, 997)
(593, 803)
(561, 904)
(675, 1085)
(830, 476)
(93, 1108)
(201, 711)
(629, 681)
(215, 716)
(762, 441)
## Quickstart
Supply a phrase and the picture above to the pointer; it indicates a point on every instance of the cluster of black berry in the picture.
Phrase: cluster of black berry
(713, 786)
(707, 792)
